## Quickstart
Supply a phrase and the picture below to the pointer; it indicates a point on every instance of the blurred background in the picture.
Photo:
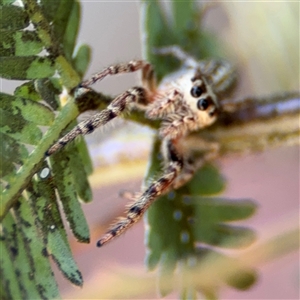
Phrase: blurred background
(262, 39)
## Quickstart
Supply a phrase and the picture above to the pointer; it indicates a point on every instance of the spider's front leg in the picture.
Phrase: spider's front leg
(129, 67)
(136, 210)
(134, 96)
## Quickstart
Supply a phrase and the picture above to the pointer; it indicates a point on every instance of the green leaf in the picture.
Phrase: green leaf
(71, 31)
(6, 2)
(82, 59)
(244, 280)
(49, 8)
(156, 27)
(63, 178)
(9, 271)
(10, 152)
(30, 110)
(15, 126)
(61, 18)
(222, 209)
(39, 230)
(27, 90)
(69, 77)
(206, 181)
(184, 16)
(85, 156)
(9, 282)
(79, 174)
(224, 236)
(26, 67)
(208, 215)
(157, 33)
(69, 113)
(43, 201)
(243, 277)
(49, 90)
(13, 18)
(7, 168)
(19, 43)
(186, 21)
(23, 265)
(40, 266)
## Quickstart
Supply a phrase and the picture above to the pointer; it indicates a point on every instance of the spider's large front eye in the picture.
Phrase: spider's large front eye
(203, 104)
(196, 91)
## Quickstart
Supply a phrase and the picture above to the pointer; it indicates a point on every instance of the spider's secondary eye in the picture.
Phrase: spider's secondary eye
(203, 104)
(196, 91)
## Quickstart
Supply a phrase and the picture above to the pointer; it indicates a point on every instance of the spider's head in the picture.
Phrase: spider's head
(197, 108)
(201, 99)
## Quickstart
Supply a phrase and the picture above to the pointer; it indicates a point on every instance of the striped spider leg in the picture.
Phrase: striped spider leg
(135, 95)
(184, 102)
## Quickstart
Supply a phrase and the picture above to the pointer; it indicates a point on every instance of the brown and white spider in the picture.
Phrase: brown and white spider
(185, 101)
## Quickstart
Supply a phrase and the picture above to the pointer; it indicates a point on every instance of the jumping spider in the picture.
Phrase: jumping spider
(186, 101)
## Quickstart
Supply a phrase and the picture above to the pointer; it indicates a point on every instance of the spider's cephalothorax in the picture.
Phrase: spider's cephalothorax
(185, 101)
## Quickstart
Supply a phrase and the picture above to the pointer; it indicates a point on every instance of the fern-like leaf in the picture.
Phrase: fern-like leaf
(32, 224)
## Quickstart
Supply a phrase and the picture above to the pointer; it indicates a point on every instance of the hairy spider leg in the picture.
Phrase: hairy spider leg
(221, 74)
(177, 52)
(129, 67)
(148, 78)
(165, 106)
(134, 95)
(157, 188)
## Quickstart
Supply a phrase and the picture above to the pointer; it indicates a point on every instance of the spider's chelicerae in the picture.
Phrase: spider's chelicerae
(186, 101)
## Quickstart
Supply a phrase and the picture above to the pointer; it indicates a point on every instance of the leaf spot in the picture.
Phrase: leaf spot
(184, 237)
(44, 173)
(177, 215)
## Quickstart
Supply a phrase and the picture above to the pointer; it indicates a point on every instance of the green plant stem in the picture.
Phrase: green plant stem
(25, 173)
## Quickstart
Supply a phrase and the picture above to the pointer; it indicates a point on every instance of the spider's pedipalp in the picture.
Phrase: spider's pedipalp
(165, 105)
(117, 106)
